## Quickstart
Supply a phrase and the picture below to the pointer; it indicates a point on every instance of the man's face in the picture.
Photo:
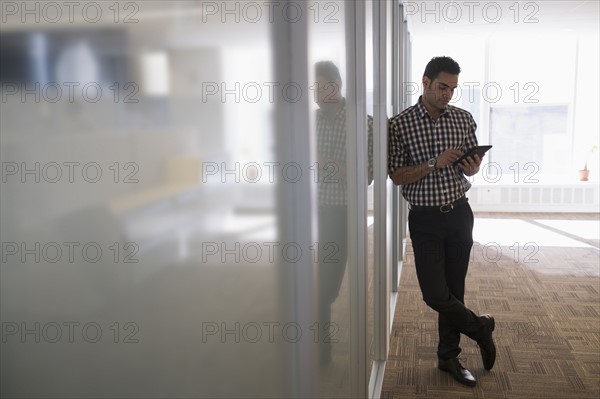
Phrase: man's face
(327, 92)
(438, 92)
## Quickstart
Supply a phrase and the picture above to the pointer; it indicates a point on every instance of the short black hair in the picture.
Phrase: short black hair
(328, 70)
(441, 64)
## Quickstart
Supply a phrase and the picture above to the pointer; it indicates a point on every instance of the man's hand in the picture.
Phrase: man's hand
(471, 165)
(447, 157)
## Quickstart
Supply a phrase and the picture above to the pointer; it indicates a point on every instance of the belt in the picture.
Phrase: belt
(443, 209)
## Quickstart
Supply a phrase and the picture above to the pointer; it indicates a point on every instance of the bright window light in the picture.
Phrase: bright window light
(155, 72)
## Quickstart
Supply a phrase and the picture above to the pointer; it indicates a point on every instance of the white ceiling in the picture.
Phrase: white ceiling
(534, 17)
(545, 16)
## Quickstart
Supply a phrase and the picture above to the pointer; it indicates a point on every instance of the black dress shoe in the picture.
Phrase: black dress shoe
(486, 342)
(459, 373)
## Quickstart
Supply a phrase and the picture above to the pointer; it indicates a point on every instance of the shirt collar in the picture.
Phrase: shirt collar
(423, 111)
(341, 113)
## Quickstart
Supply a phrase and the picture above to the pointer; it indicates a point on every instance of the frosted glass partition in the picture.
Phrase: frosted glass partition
(370, 222)
(142, 245)
(331, 113)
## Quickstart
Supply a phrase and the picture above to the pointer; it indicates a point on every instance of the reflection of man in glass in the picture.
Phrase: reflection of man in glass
(332, 192)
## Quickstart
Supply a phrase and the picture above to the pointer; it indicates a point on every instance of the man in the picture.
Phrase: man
(332, 193)
(424, 141)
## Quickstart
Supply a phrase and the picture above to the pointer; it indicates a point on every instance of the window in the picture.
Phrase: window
(529, 139)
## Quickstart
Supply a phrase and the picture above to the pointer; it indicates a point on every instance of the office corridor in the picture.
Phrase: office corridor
(546, 303)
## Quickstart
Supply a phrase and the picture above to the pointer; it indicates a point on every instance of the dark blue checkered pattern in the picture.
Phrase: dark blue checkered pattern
(414, 138)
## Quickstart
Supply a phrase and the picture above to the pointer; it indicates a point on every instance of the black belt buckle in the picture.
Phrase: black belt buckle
(446, 208)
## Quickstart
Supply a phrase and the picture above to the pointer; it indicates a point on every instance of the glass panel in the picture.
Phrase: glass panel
(370, 222)
(470, 55)
(586, 124)
(391, 237)
(537, 151)
(390, 43)
(327, 66)
(139, 223)
(528, 107)
(510, 100)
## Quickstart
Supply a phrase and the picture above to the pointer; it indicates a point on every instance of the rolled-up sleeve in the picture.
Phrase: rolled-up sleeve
(471, 137)
(397, 153)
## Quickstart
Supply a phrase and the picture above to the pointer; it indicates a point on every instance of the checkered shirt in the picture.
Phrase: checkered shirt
(331, 142)
(414, 138)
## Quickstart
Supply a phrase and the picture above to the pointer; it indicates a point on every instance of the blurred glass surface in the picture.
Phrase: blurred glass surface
(327, 68)
(140, 243)
(370, 222)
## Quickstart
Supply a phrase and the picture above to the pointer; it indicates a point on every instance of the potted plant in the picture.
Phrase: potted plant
(585, 173)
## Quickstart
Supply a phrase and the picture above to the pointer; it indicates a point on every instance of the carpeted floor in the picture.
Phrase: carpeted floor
(546, 301)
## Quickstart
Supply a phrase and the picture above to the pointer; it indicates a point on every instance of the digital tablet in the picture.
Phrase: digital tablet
(479, 150)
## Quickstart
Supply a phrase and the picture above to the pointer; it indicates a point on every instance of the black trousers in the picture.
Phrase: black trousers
(442, 245)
